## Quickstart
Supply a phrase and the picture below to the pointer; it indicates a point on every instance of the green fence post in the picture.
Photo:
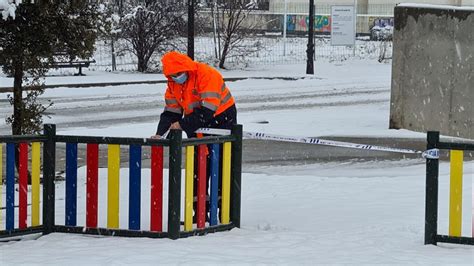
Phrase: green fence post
(236, 178)
(49, 165)
(431, 194)
(174, 191)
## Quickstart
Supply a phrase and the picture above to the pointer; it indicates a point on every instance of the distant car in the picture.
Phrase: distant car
(378, 33)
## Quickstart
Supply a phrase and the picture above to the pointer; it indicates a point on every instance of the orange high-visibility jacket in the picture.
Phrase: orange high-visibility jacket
(204, 87)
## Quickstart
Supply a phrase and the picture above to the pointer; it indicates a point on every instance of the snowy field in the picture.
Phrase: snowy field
(329, 213)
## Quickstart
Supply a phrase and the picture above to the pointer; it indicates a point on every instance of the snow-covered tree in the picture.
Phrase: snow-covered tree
(231, 29)
(28, 41)
(109, 27)
(152, 28)
(8, 8)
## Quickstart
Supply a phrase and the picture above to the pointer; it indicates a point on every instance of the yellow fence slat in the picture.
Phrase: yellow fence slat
(455, 193)
(188, 208)
(35, 183)
(113, 186)
(225, 212)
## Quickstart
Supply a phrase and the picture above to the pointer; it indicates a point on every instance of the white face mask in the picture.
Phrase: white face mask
(181, 78)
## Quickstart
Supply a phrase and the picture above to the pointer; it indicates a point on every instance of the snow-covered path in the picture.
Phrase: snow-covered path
(349, 86)
(363, 213)
(340, 212)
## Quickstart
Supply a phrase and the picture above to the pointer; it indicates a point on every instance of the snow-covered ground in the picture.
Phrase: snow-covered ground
(348, 98)
(328, 213)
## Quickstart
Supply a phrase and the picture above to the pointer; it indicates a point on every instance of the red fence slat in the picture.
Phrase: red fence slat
(156, 215)
(201, 189)
(92, 184)
(23, 185)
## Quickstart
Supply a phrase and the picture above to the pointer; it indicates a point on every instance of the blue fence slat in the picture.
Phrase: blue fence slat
(10, 197)
(134, 187)
(214, 171)
(71, 184)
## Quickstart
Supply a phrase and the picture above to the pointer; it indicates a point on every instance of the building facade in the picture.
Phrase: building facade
(379, 7)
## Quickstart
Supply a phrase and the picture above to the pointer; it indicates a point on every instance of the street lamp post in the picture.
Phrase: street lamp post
(310, 49)
(285, 25)
(191, 29)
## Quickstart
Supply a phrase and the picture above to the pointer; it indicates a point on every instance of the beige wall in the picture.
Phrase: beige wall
(333, 2)
(434, 2)
(301, 6)
(381, 7)
(367, 9)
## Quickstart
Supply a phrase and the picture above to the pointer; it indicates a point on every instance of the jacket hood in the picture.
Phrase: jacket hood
(174, 62)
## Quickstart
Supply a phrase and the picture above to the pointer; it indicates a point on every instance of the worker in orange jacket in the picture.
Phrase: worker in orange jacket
(196, 97)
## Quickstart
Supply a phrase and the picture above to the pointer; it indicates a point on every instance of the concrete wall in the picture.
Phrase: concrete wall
(433, 71)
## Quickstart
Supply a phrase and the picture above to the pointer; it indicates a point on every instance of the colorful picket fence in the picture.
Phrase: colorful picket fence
(25, 166)
(222, 169)
(456, 156)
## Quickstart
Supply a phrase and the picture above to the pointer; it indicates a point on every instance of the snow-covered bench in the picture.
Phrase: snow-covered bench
(78, 63)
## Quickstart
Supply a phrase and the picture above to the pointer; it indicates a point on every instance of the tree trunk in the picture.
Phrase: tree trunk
(225, 50)
(17, 99)
(114, 63)
(142, 64)
(17, 111)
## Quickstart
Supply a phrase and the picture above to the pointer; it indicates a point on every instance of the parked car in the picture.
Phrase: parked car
(378, 33)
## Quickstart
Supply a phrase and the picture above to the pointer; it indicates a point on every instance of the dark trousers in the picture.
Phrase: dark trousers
(208, 179)
(225, 120)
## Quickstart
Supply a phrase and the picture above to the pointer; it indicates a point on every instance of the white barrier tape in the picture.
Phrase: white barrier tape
(307, 140)
(214, 131)
(317, 141)
(166, 134)
(431, 154)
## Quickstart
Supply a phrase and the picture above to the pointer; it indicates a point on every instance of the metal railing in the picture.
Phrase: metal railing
(432, 186)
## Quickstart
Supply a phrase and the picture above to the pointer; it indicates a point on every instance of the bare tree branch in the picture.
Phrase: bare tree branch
(152, 28)
(233, 32)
